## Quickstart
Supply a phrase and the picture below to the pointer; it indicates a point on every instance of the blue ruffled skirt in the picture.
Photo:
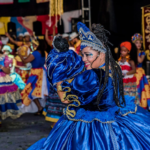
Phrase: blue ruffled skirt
(127, 132)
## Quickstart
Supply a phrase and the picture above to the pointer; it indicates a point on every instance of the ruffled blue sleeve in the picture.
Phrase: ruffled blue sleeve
(142, 53)
(85, 86)
(35, 54)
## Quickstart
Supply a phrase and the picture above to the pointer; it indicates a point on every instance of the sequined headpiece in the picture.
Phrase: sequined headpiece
(136, 37)
(89, 39)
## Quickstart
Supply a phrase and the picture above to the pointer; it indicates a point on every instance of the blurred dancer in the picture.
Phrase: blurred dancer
(141, 80)
(10, 97)
(33, 96)
(128, 61)
(74, 41)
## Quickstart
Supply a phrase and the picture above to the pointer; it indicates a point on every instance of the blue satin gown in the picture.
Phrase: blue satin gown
(84, 127)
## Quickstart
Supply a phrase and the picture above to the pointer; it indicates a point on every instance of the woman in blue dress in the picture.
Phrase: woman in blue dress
(33, 95)
(98, 116)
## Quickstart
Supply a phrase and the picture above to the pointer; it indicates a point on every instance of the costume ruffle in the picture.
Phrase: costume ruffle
(36, 86)
(127, 132)
(23, 73)
(143, 88)
(10, 97)
(9, 103)
(130, 107)
(54, 107)
(65, 65)
(17, 80)
(80, 114)
(7, 87)
(82, 127)
(129, 81)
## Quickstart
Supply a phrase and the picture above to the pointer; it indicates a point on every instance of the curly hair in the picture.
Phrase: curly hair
(61, 44)
(116, 72)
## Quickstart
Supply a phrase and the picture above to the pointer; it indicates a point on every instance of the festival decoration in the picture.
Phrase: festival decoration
(146, 27)
(55, 8)
(3, 2)
(23, 1)
(3, 24)
(41, 1)
(146, 30)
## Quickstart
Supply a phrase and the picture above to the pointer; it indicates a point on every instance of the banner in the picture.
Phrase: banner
(23, 1)
(146, 27)
(24, 24)
(3, 24)
(48, 22)
(3, 2)
(42, 1)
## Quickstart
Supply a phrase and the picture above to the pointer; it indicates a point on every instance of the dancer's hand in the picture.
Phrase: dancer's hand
(7, 34)
(1, 67)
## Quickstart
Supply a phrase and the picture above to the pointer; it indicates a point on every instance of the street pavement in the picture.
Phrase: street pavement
(19, 134)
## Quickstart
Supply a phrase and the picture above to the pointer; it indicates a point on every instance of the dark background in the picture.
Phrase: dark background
(121, 17)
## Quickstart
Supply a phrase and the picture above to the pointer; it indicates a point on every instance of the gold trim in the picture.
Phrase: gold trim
(51, 119)
(14, 114)
(130, 112)
(64, 94)
(5, 78)
(143, 28)
(145, 6)
(16, 97)
(95, 119)
(72, 113)
(59, 88)
(41, 37)
(147, 14)
(44, 113)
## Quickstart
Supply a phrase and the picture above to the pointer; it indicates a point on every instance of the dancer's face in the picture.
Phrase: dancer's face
(92, 58)
(27, 38)
(124, 52)
(20, 38)
(138, 44)
(6, 52)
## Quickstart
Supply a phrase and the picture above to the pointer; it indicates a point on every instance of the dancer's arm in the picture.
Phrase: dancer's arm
(5, 69)
(49, 42)
(133, 71)
(141, 58)
(28, 59)
(61, 94)
(13, 41)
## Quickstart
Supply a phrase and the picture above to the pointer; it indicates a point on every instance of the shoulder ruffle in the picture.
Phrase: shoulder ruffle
(75, 113)
(90, 116)
(131, 107)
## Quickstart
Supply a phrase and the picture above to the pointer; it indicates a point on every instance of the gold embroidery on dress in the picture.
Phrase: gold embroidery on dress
(70, 114)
